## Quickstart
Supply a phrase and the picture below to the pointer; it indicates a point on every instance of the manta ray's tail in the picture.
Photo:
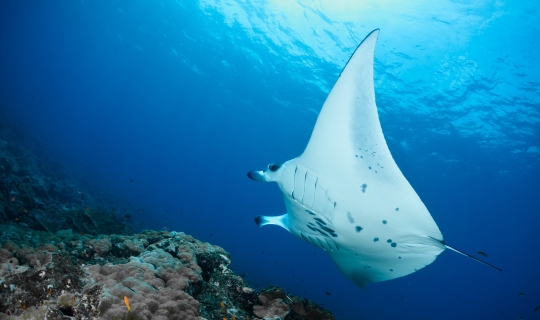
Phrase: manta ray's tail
(467, 255)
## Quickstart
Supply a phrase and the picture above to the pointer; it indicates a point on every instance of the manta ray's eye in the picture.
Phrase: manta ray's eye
(274, 166)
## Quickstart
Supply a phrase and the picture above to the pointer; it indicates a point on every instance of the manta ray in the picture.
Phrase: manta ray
(345, 193)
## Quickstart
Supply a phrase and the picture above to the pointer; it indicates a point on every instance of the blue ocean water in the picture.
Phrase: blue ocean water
(167, 104)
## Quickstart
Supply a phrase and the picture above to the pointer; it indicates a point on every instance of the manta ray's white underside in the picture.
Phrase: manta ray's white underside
(346, 195)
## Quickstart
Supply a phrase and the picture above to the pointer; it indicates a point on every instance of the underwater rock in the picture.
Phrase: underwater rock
(174, 276)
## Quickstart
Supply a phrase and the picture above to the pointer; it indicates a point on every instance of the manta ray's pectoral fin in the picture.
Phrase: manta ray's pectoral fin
(467, 255)
(281, 221)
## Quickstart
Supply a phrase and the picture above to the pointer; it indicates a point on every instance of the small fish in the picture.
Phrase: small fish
(233, 317)
(126, 300)
(73, 299)
(222, 304)
(328, 293)
(482, 254)
(536, 308)
(521, 294)
(50, 291)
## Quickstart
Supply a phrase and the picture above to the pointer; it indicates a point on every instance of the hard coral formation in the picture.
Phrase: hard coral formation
(67, 275)
(66, 255)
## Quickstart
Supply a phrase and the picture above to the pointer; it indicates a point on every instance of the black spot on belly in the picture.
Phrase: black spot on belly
(384, 222)
(364, 186)
(376, 239)
(397, 209)
(391, 269)
(358, 228)
(350, 218)
(393, 244)
(389, 240)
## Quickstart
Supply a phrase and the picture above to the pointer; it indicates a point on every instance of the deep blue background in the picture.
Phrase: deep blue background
(185, 98)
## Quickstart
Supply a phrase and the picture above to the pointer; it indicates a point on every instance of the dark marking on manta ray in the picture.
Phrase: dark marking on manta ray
(319, 220)
(384, 222)
(275, 166)
(350, 218)
(397, 209)
(536, 308)
(389, 240)
(364, 186)
(311, 213)
(376, 239)
(391, 269)
(369, 168)
(393, 244)
(358, 228)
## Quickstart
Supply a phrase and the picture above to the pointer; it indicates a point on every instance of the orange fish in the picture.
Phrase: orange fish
(126, 300)
(222, 304)
(50, 291)
(233, 317)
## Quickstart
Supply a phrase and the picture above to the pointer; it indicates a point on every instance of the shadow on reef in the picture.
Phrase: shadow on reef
(36, 192)
(151, 275)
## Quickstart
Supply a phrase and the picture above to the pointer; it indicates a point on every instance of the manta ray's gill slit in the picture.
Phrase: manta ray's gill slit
(314, 191)
(294, 182)
(319, 220)
(312, 242)
(333, 242)
(317, 230)
(310, 212)
(301, 234)
(330, 231)
(304, 191)
(319, 241)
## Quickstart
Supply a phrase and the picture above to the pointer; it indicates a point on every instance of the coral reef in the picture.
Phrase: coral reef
(160, 275)
(39, 193)
(66, 255)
